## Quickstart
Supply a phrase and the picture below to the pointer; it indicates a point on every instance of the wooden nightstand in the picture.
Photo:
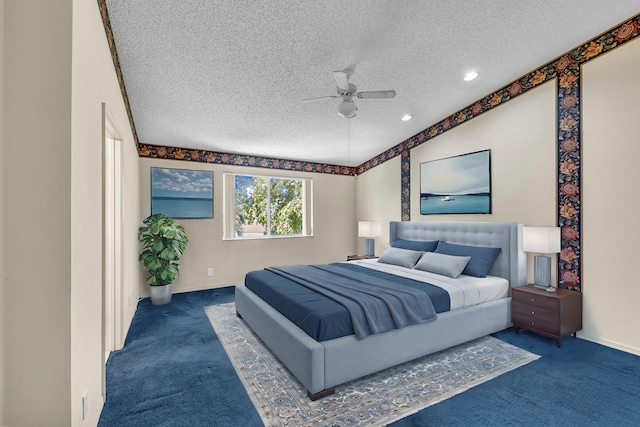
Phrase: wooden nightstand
(552, 314)
(355, 257)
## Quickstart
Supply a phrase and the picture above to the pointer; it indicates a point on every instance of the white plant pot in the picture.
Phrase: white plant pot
(160, 295)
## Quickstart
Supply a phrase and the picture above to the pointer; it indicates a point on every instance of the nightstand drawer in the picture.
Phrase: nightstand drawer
(358, 257)
(545, 314)
(535, 300)
(536, 324)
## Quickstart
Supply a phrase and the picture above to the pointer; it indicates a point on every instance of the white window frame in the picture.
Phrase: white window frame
(229, 206)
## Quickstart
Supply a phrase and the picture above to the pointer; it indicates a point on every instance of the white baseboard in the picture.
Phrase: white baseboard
(610, 343)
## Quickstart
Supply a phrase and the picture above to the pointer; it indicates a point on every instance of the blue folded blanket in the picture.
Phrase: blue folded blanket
(375, 305)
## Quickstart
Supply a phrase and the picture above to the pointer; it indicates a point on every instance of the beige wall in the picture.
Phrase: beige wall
(94, 83)
(521, 136)
(610, 175)
(57, 74)
(378, 199)
(334, 227)
(2, 232)
(37, 160)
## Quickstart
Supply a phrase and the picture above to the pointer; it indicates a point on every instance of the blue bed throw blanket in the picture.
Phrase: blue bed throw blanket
(374, 305)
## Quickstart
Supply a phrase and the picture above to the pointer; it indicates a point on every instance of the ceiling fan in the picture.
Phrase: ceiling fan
(347, 91)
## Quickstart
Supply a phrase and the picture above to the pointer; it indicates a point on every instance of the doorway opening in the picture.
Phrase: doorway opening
(112, 193)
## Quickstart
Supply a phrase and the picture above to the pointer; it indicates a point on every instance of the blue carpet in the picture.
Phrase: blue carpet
(580, 384)
(173, 371)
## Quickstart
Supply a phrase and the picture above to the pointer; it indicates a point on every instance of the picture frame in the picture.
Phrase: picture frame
(456, 185)
(182, 193)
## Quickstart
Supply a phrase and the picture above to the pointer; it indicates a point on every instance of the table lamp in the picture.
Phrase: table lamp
(369, 229)
(541, 240)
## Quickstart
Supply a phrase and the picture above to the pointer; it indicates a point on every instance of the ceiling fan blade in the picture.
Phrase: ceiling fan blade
(341, 80)
(377, 94)
(320, 97)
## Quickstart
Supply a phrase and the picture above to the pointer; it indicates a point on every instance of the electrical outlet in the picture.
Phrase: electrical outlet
(85, 404)
(210, 272)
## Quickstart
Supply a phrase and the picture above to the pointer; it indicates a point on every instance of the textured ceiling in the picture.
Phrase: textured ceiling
(230, 76)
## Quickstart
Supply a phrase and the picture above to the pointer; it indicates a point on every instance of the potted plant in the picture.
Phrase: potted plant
(163, 243)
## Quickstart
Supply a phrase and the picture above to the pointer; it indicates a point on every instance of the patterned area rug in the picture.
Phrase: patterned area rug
(377, 399)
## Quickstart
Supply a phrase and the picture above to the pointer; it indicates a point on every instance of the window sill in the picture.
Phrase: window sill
(265, 237)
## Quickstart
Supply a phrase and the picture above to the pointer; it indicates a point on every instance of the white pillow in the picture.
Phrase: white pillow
(401, 257)
(447, 265)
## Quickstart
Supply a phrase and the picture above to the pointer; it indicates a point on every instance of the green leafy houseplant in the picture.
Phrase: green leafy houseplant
(164, 242)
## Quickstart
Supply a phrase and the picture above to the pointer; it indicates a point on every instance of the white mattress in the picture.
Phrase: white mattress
(463, 292)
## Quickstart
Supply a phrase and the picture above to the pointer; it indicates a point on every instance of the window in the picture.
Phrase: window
(266, 206)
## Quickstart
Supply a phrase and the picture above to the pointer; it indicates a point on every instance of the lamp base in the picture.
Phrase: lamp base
(541, 271)
(369, 248)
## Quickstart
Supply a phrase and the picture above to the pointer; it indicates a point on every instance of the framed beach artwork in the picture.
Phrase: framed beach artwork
(456, 185)
(182, 193)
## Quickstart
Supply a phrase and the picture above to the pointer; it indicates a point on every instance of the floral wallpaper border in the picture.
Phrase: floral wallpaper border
(565, 68)
(106, 22)
(206, 156)
(568, 68)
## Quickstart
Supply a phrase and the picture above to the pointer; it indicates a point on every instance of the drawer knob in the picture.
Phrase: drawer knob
(533, 312)
(533, 299)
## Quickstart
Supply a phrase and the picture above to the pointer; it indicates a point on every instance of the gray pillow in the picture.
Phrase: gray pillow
(447, 265)
(401, 257)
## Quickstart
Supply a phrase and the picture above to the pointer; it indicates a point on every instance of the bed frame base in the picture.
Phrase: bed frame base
(321, 394)
(321, 366)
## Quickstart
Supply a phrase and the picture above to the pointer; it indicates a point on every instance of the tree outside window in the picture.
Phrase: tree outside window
(268, 206)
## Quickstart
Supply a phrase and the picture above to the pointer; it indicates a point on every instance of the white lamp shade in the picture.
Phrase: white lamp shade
(542, 240)
(369, 229)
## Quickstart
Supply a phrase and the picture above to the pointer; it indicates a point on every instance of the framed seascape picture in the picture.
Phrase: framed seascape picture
(182, 193)
(456, 185)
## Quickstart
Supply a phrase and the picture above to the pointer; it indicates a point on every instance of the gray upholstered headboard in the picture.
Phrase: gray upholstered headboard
(510, 264)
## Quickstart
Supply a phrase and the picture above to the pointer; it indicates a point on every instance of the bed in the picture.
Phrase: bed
(322, 365)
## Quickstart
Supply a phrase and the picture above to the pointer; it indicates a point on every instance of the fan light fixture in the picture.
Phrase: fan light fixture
(347, 109)
(346, 91)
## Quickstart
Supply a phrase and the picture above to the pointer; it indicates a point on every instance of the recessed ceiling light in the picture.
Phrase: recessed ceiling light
(470, 76)
(407, 117)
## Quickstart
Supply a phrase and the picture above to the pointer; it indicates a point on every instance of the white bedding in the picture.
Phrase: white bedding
(464, 291)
